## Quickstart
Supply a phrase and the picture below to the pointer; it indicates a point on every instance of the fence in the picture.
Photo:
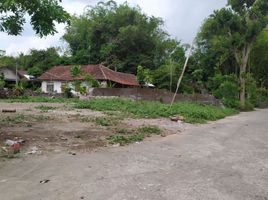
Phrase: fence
(154, 95)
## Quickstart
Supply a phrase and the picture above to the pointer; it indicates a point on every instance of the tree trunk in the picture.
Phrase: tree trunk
(243, 71)
(242, 85)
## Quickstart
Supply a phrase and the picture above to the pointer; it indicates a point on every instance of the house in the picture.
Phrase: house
(11, 75)
(25, 75)
(58, 76)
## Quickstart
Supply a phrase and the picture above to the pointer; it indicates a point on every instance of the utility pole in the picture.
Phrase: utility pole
(171, 68)
(16, 74)
(182, 74)
(171, 75)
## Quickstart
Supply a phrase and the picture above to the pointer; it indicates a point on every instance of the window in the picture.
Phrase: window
(50, 87)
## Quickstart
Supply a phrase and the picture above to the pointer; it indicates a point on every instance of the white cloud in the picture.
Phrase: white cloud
(182, 20)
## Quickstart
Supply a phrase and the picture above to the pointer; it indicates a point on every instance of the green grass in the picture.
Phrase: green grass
(45, 108)
(105, 121)
(149, 130)
(124, 136)
(192, 112)
(125, 139)
(22, 118)
(38, 99)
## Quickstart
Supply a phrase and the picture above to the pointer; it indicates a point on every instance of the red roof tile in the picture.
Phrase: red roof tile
(98, 72)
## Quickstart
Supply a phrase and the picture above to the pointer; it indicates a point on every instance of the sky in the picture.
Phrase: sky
(182, 18)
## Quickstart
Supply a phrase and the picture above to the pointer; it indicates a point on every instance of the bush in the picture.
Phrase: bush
(251, 90)
(228, 92)
(262, 98)
(67, 91)
(226, 88)
(248, 106)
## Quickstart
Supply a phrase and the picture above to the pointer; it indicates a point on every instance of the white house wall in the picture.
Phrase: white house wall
(44, 86)
(57, 86)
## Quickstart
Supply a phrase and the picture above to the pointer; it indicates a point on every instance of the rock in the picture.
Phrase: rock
(72, 153)
(63, 138)
(177, 118)
(34, 150)
(21, 141)
(10, 142)
(8, 110)
(116, 145)
(4, 149)
(44, 181)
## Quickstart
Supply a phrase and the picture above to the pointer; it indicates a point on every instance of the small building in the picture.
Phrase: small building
(10, 75)
(55, 78)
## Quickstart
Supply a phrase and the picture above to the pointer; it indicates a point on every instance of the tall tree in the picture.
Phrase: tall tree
(43, 16)
(119, 36)
(259, 59)
(38, 61)
(232, 31)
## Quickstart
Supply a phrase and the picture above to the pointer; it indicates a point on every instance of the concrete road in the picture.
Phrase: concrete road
(225, 160)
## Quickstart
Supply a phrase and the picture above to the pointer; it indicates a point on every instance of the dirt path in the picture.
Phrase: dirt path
(225, 160)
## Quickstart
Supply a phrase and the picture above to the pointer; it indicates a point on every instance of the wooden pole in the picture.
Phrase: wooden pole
(182, 74)
(171, 81)
(16, 74)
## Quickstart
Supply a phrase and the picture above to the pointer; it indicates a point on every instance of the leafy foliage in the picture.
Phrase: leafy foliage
(144, 75)
(259, 59)
(231, 33)
(194, 113)
(120, 36)
(2, 81)
(135, 136)
(43, 16)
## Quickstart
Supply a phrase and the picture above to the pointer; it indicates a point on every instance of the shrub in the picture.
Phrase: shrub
(251, 90)
(226, 88)
(67, 91)
(262, 97)
(2, 81)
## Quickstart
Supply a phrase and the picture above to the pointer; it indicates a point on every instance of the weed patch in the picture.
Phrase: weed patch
(192, 112)
(38, 99)
(125, 139)
(124, 136)
(149, 130)
(45, 108)
(106, 121)
(22, 118)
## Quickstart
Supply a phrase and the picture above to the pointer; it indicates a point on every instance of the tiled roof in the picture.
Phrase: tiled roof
(98, 72)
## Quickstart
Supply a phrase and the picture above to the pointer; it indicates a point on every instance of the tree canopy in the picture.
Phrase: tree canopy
(229, 58)
(232, 31)
(259, 59)
(43, 16)
(119, 36)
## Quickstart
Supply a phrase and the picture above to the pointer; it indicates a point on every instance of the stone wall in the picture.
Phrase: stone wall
(154, 95)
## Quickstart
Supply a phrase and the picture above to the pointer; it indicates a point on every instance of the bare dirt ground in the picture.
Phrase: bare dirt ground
(223, 160)
(63, 128)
